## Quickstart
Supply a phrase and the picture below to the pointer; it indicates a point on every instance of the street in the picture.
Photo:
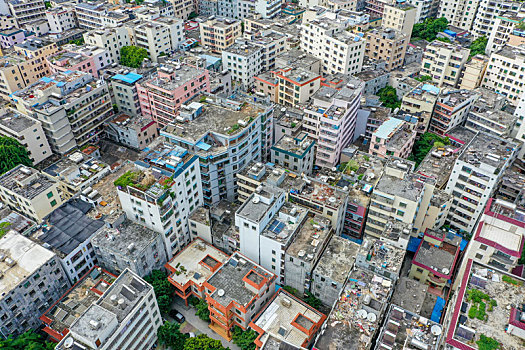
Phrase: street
(196, 325)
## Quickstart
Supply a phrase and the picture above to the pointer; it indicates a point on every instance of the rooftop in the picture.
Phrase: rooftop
(298, 145)
(195, 263)
(132, 122)
(260, 202)
(16, 122)
(281, 317)
(383, 255)
(76, 169)
(438, 164)
(456, 98)
(337, 259)
(312, 234)
(20, 259)
(321, 193)
(409, 187)
(233, 277)
(424, 92)
(356, 316)
(15, 221)
(413, 296)
(286, 223)
(511, 52)
(438, 258)
(26, 182)
(487, 149)
(170, 77)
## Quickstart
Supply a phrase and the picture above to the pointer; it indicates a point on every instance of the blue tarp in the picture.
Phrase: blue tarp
(450, 32)
(438, 309)
(130, 78)
(413, 244)
(203, 145)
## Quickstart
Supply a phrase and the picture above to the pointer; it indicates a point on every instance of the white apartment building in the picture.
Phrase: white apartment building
(330, 119)
(241, 9)
(173, 192)
(30, 192)
(28, 132)
(424, 9)
(161, 36)
(244, 61)
(340, 51)
(401, 18)
(519, 113)
(459, 13)
(506, 72)
(473, 73)
(487, 11)
(444, 62)
(61, 19)
(502, 29)
(98, 15)
(476, 172)
(126, 316)
(71, 106)
(183, 8)
(111, 39)
(27, 11)
(32, 281)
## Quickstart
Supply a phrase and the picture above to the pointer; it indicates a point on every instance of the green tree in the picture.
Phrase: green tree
(132, 56)
(12, 153)
(202, 310)
(26, 341)
(424, 144)
(429, 28)
(163, 289)
(78, 42)
(244, 339)
(164, 302)
(478, 46)
(192, 15)
(313, 301)
(388, 96)
(423, 78)
(443, 39)
(487, 343)
(48, 4)
(291, 290)
(203, 342)
(169, 334)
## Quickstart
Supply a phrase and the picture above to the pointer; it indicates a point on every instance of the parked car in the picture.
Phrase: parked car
(192, 335)
(177, 316)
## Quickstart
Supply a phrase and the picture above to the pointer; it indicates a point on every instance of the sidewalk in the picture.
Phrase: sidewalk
(200, 325)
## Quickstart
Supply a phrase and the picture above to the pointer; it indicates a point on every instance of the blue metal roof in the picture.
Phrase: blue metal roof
(130, 78)
(387, 127)
(203, 145)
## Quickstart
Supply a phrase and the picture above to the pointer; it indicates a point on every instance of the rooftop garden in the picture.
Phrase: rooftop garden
(237, 126)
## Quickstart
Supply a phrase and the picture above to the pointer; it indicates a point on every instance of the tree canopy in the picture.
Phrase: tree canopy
(244, 339)
(388, 96)
(169, 334)
(203, 342)
(429, 28)
(26, 341)
(478, 46)
(424, 144)
(12, 153)
(163, 289)
(132, 56)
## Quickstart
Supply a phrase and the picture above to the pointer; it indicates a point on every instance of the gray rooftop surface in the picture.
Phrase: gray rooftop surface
(487, 149)
(313, 233)
(337, 259)
(16, 121)
(407, 188)
(28, 186)
(256, 211)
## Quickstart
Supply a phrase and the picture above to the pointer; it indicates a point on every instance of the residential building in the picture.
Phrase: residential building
(87, 290)
(388, 45)
(376, 7)
(218, 34)
(472, 75)
(341, 51)
(111, 39)
(125, 316)
(436, 258)
(512, 185)
(302, 256)
(99, 14)
(374, 79)
(244, 61)
(444, 62)
(125, 92)
(519, 112)
(25, 65)
(452, 109)
(424, 9)
(476, 172)
(129, 246)
(28, 132)
(505, 74)
(400, 17)
(83, 58)
(217, 130)
(13, 36)
(330, 119)
(487, 13)
(490, 120)
(6, 20)
(30, 192)
(393, 138)
(61, 19)
(504, 27)
(420, 102)
(164, 92)
(294, 153)
(68, 232)
(159, 37)
(71, 105)
(27, 11)
(133, 131)
(191, 267)
(381, 258)
(236, 292)
(32, 280)
(288, 319)
(162, 192)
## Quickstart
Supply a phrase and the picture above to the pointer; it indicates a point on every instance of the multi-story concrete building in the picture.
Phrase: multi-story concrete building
(27, 11)
(236, 292)
(71, 106)
(159, 37)
(393, 138)
(218, 131)
(88, 59)
(164, 92)
(400, 17)
(29, 192)
(330, 119)
(502, 29)
(519, 112)
(340, 51)
(505, 74)
(162, 193)
(129, 246)
(6, 20)
(444, 62)
(256, 174)
(61, 19)
(25, 65)
(125, 316)
(451, 109)
(475, 175)
(99, 14)
(32, 280)
(244, 61)
(219, 33)
(473, 73)
(125, 92)
(28, 132)
(381, 258)
(133, 131)
(388, 45)
(295, 153)
(486, 15)
(424, 9)
(482, 117)
(111, 39)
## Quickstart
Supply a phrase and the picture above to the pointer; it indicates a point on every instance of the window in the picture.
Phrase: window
(479, 256)
(50, 194)
(483, 247)
(53, 203)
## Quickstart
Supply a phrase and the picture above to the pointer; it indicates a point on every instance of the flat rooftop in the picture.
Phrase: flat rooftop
(312, 234)
(21, 259)
(502, 296)
(76, 169)
(281, 317)
(460, 135)
(26, 182)
(456, 98)
(201, 215)
(285, 223)
(438, 164)
(259, 203)
(16, 221)
(195, 263)
(170, 77)
(231, 279)
(440, 258)
(132, 122)
(321, 193)
(298, 145)
(16, 122)
(337, 259)
(382, 255)
(487, 149)
(408, 187)
(413, 296)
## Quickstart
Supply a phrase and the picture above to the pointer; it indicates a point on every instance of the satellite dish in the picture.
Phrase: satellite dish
(371, 317)
(68, 343)
(435, 330)
(220, 292)
(362, 314)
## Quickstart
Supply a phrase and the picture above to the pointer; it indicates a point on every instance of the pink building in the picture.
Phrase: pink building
(393, 138)
(162, 95)
(13, 36)
(79, 58)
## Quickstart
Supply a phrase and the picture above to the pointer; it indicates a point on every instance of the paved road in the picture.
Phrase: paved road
(200, 325)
